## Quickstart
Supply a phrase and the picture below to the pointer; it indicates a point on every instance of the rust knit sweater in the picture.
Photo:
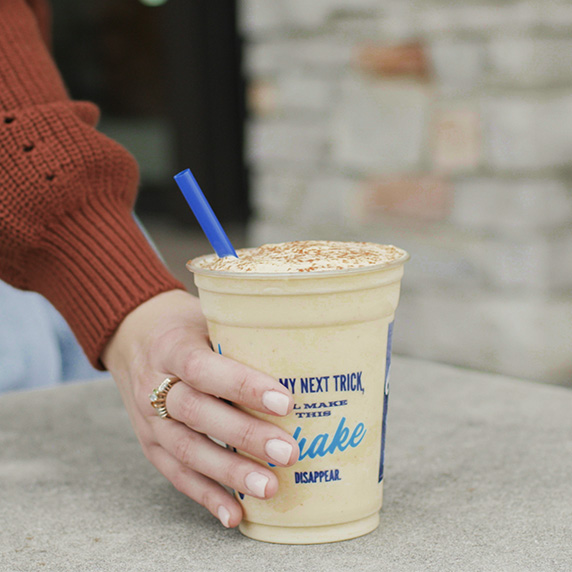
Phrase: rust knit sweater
(66, 192)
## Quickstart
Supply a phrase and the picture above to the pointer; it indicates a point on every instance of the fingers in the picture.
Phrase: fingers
(198, 487)
(198, 453)
(212, 416)
(212, 373)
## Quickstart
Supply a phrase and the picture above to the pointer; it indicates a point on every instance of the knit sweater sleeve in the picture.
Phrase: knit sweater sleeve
(66, 195)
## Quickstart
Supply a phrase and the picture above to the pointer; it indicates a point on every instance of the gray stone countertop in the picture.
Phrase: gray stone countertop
(478, 478)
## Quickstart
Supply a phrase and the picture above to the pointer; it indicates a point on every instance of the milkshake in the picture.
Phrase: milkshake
(317, 316)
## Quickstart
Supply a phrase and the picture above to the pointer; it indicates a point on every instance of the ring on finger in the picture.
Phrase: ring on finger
(158, 397)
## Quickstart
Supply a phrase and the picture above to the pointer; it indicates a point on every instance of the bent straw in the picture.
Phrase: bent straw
(204, 214)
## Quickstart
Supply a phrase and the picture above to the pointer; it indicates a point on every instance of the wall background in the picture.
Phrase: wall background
(443, 127)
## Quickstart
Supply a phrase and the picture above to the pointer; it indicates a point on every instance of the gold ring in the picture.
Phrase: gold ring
(158, 398)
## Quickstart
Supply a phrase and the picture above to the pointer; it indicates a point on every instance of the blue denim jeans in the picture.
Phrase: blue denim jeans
(37, 348)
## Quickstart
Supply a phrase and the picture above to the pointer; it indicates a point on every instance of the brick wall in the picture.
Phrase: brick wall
(444, 128)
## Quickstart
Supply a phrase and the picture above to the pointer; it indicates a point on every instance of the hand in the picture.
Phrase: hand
(167, 336)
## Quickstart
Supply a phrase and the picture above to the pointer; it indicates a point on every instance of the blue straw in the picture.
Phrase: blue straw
(204, 214)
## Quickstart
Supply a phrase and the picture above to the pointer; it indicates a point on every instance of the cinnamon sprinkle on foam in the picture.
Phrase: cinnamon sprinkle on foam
(303, 256)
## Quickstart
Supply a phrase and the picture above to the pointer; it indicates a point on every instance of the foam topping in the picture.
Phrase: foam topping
(303, 256)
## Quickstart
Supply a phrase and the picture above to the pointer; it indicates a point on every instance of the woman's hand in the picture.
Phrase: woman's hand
(167, 337)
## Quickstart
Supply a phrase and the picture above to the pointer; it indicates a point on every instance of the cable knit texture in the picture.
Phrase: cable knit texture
(66, 192)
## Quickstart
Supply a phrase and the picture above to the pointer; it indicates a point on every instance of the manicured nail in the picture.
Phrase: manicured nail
(256, 484)
(223, 516)
(279, 450)
(276, 402)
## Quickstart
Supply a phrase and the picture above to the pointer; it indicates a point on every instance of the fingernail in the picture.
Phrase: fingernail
(279, 450)
(256, 484)
(276, 402)
(224, 516)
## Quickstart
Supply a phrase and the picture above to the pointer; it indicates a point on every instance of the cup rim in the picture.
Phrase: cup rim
(294, 275)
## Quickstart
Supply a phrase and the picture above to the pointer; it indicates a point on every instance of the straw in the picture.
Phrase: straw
(204, 214)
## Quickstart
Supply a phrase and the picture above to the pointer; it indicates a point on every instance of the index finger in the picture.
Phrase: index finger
(215, 374)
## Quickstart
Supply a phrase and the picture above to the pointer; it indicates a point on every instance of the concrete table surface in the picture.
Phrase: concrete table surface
(478, 478)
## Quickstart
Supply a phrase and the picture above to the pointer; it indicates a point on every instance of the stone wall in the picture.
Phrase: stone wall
(442, 127)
